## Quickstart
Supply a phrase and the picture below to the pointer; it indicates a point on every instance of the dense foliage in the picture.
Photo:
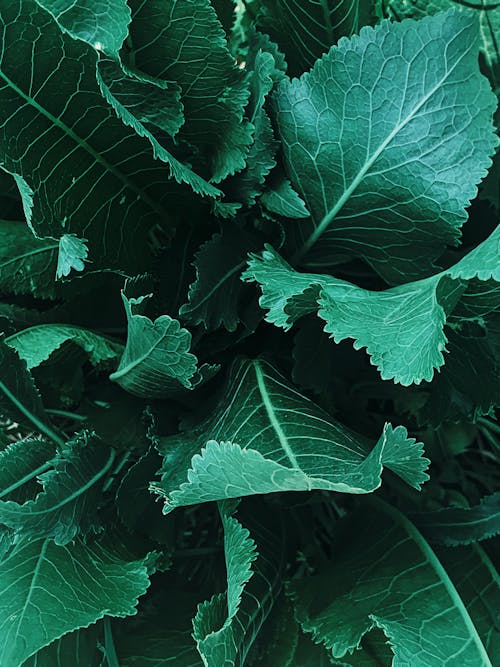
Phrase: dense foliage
(250, 349)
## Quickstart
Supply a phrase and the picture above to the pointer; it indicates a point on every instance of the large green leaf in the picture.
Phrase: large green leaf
(265, 437)
(386, 159)
(48, 590)
(36, 344)
(71, 494)
(101, 23)
(183, 41)
(156, 361)
(386, 575)
(461, 525)
(401, 328)
(306, 29)
(79, 168)
(226, 625)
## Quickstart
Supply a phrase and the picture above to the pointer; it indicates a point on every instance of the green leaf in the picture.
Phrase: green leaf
(282, 199)
(92, 580)
(20, 463)
(184, 42)
(35, 344)
(102, 185)
(385, 575)
(460, 525)
(246, 186)
(78, 649)
(401, 328)
(391, 184)
(265, 437)
(226, 625)
(102, 24)
(489, 19)
(73, 253)
(468, 384)
(19, 398)
(305, 29)
(121, 95)
(214, 297)
(156, 362)
(478, 583)
(71, 493)
(27, 264)
(153, 102)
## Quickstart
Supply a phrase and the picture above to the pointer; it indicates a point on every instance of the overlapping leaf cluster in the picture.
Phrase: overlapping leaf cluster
(250, 333)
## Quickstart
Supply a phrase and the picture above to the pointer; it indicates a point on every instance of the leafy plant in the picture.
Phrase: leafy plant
(250, 339)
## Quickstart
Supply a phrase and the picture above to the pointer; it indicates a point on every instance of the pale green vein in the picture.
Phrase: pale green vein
(266, 401)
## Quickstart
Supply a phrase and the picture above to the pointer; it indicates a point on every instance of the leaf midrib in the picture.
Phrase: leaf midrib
(268, 405)
(20, 258)
(443, 576)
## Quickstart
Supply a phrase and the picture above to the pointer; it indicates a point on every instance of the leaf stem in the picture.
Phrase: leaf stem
(109, 645)
(42, 428)
(65, 413)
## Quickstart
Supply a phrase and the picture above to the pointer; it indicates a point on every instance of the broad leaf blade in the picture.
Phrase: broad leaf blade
(390, 185)
(385, 574)
(265, 437)
(478, 583)
(107, 183)
(91, 580)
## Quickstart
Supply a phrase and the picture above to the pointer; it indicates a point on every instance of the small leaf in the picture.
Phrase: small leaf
(73, 253)
(214, 297)
(226, 625)
(156, 361)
